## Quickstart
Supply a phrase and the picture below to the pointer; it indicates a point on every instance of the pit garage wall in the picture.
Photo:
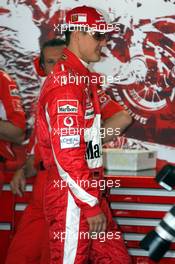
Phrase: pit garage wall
(139, 61)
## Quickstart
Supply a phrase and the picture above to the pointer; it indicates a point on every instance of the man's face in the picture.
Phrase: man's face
(90, 47)
(51, 56)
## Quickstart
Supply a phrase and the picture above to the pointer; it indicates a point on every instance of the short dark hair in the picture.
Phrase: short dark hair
(49, 43)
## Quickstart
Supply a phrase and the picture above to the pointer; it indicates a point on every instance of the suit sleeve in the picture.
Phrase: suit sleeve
(108, 106)
(33, 149)
(65, 117)
(11, 101)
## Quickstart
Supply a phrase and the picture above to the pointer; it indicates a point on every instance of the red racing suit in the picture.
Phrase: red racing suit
(68, 130)
(10, 110)
(33, 227)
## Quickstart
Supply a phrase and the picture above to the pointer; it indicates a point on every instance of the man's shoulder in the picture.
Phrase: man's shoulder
(4, 77)
(60, 76)
(8, 87)
(62, 68)
(57, 79)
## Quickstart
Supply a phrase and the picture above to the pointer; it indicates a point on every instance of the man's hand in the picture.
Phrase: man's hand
(18, 182)
(97, 223)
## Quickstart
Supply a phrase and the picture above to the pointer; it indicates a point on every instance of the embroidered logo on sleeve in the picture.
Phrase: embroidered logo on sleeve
(13, 90)
(103, 98)
(89, 112)
(17, 105)
(67, 106)
(70, 141)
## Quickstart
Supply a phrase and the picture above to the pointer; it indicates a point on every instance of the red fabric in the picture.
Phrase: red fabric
(83, 118)
(94, 250)
(38, 157)
(30, 244)
(108, 106)
(11, 110)
(32, 142)
(38, 68)
(88, 16)
(33, 149)
(11, 101)
(33, 219)
(1, 175)
(31, 240)
(77, 106)
(20, 158)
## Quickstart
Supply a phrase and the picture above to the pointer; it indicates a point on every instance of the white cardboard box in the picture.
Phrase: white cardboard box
(129, 159)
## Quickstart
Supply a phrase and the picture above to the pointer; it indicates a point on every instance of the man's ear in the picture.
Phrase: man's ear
(75, 35)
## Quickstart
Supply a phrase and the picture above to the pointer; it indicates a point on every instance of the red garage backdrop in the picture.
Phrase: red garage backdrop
(139, 59)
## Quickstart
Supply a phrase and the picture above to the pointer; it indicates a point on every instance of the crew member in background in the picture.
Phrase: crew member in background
(30, 244)
(12, 121)
(51, 51)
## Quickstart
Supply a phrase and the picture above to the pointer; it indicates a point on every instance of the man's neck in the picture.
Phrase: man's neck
(78, 55)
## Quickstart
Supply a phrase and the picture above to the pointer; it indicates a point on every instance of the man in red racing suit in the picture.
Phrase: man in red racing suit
(12, 121)
(32, 226)
(81, 228)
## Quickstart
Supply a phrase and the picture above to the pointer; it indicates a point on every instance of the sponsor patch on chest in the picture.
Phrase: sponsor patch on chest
(67, 106)
(67, 142)
(89, 112)
(69, 121)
